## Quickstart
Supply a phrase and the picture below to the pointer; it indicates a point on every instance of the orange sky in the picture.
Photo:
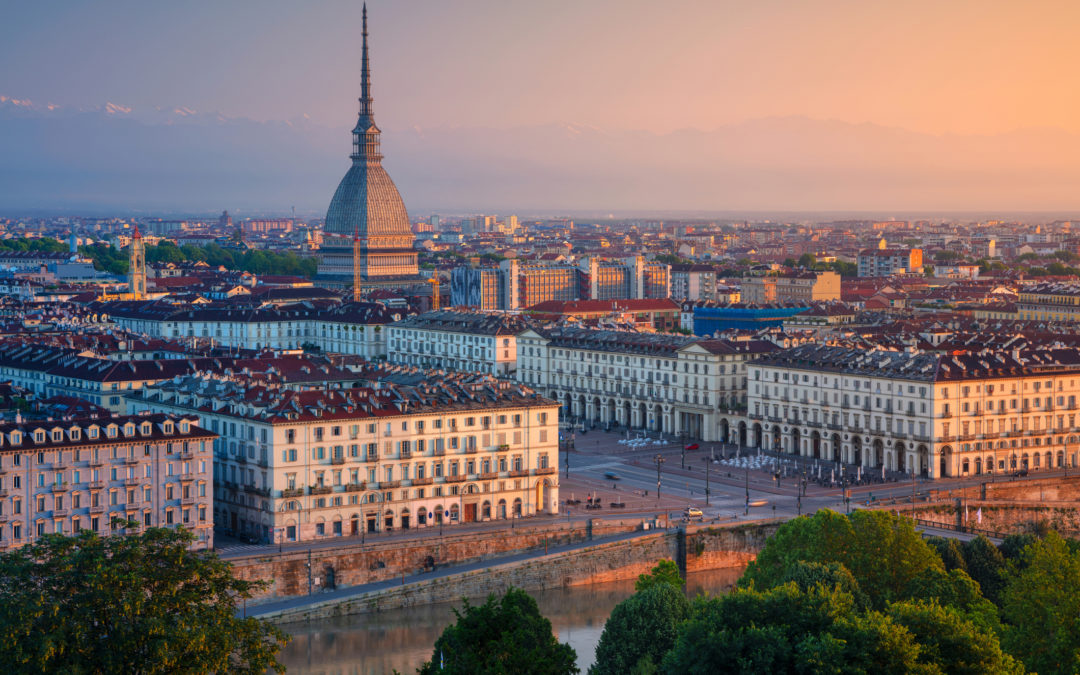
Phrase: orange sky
(962, 66)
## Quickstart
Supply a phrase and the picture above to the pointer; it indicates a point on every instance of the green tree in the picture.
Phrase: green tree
(640, 630)
(986, 565)
(951, 552)
(1040, 607)
(829, 576)
(789, 630)
(951, 643)
(807, 260)
(845, 269)
(665, 572)
(882, 550)
(505, 635)
(789, 262)
(139, 603)
(957, 590)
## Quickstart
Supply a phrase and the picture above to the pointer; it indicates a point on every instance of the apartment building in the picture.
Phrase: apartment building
(693, 282)
(935, 415)
(885, 262)
(456, 340)
(354, 328)
(1049, 302)
(64, 476)
(667, 383)
(303, 466)
(800, 286)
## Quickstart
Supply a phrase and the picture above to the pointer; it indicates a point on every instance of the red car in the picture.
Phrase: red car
(692, 446)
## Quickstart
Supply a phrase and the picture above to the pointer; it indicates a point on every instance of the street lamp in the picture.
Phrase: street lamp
(659, 459)
(747, 491)
(708, 461)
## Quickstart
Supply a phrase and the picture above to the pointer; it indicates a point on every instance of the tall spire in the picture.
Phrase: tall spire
(365, 75)
(365, 134)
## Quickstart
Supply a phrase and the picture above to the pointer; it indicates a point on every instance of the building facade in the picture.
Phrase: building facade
(693, 282)
(303, 466)
(665, 383)
(800, 286)
(1049, 302)
(455, 340)
(61, 477)
(933, 415)
(885, 262)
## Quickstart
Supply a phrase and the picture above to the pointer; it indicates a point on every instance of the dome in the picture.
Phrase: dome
(367, 203)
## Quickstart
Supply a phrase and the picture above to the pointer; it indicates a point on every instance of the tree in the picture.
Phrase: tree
(807, 260)
(829, 576)
(951, 552)
(789, 262)
(138, 603)
(505, 635)
(640, 630)
(952, 643)
(1040, 606)
(789, 630)
(986, 565)
(882, 550)
(665, 572)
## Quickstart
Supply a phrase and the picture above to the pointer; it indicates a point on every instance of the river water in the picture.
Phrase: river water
(373, 644)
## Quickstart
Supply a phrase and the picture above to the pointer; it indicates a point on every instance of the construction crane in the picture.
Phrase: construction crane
(434, 281)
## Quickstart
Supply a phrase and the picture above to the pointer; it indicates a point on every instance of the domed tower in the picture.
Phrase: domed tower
(367, 218)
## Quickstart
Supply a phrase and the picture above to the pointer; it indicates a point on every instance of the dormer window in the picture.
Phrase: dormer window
(167, 426)
(185, 426)
(146, 429)
(39, 436)
(16, 438)
(75, 433)
(92, 432)
(111, 431)
(129, 429)
(57, 435)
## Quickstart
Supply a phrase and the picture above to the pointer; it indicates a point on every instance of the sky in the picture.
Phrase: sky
(958, 68)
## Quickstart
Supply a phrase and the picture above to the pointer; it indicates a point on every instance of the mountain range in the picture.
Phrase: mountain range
(115, 158)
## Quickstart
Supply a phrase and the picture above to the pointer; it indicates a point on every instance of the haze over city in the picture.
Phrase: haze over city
(545, 107)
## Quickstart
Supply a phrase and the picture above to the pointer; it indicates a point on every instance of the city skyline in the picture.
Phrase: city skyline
(557, 107)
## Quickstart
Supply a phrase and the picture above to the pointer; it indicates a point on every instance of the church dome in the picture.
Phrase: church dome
(367, 203)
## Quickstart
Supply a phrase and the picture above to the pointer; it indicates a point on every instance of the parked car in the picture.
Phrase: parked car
(611, 475)
(692, 446)
(693, 513)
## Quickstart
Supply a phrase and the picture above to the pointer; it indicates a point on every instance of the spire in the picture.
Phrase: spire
(365, 134)
(136, 235)
(365, 75)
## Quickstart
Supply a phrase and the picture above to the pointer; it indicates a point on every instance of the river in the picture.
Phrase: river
(373, 644)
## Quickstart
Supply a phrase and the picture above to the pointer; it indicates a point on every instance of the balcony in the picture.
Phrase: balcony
(518, 473)
(96, 484)
(61, 513)
(321, 489)
(423, 481)
(405, 454)
(546, 471)
(470, 451)
(946, 415)
(292, 492)
(371, 457)
(131, 482)
(60, 487)
(337, 460)
(187, 477)
(95, 463)
(355, 487)
(100, 508)
(456, 479)
(129, 461)
(488, 475)
(186, 456)
(388, 484)
(264, 463)
(264, 492)
(187, 501)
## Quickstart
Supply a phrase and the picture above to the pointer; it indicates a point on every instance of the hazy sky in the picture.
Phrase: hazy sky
(979, 66)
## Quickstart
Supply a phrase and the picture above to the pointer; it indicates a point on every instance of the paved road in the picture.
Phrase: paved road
(353, 591)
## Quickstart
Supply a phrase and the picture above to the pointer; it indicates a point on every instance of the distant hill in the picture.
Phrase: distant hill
(117, 158)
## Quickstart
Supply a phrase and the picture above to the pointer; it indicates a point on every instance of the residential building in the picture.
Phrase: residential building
(64, 476)
(456, 340)
(1049, 302)
(303, 466)
(937, 415)
(667, 383)
(693, 282)
(886, 262)
(798, 286)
